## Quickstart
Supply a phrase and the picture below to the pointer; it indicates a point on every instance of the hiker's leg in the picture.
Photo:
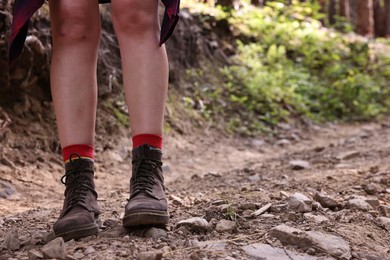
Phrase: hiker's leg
(144, 63)
(76, 34)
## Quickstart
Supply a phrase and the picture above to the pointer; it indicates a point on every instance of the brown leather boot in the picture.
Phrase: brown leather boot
(147, 204)
(80, 212)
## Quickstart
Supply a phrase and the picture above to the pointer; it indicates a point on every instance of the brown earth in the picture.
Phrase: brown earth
(215, 178)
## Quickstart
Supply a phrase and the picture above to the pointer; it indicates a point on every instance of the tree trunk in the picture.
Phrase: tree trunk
(379, 19)
(387, 23)
(365, 19)
(332, 12)
(344, 9)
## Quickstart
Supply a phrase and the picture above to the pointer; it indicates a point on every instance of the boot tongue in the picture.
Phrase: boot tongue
(147, 152)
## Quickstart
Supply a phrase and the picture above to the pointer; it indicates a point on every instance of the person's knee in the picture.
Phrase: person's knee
(135, 17)
(74, 27)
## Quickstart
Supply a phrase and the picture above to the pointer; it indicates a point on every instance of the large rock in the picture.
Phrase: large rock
(55, 249)
(267, 252)
(319, 241)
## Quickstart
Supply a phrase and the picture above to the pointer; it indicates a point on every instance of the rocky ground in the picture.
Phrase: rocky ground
(318, 193)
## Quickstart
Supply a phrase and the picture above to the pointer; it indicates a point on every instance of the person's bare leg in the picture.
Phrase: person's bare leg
(76, 33)
(145, 76)
(144, 63)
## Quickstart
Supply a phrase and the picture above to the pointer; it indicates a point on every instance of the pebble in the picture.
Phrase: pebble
(114, 232)
(374, 202)
(6, 189)
(298, 202)
(11, 240)
(384, 210)
(155, 233)
(212, 245)
(358, 203)
(55, 249)
(384, 222)
(347, 155)
(176, 200)
(317, 219)
(195, 224)
(34, 254)
(297, 165)
(323, 242)
(326, 201)
(262, 209)
(372, 188)
(226, 226)
(89, 250)
(154, 255)
(268, 252)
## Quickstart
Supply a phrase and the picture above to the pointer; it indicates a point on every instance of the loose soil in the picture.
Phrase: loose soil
(211, 177)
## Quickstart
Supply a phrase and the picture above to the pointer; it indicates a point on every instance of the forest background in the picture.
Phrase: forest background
(241, 66)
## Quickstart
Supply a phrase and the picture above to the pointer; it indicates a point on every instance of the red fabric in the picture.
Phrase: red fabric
(84, 150)
(150, 139)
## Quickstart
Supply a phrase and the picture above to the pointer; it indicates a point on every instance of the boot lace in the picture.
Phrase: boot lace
(77, 187)
(143, 179)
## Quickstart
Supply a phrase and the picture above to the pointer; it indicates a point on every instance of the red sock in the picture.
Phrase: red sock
(150, 139)
(84, 150)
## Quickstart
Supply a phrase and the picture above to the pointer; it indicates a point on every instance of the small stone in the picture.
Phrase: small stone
(218, 202)
(212, 245)
(326, 201)
(154, 255)
(176, 200)
(195, 224)
(384, 210)
(258, 250)
(323, 242)
(384, 222)
(359, 204)
(166, 169)
(34, 254)
(371, 188)
(6, 189)
(347, 155)
(11, 240)
(297, 165)
(277, 208)
(283, 142)
(114, 232)
(374, 202)
(89, 250)
(267, 216)
(155, 233)
(55, 249)
(226, 226)
(262, 209)
(298, 202)
(315, 218)
(247, 205)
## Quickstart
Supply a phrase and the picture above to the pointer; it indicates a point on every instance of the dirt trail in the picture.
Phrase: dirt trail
(242, 193)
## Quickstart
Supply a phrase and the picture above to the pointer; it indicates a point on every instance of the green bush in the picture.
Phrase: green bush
(293, 66)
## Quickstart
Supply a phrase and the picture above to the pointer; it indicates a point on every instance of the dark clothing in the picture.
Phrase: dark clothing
(24, 9)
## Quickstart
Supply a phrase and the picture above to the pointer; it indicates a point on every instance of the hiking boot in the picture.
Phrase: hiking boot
(147, 204)
(80, 212)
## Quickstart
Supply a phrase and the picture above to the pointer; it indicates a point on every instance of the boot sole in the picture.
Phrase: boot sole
(79, 232)
(146, 217)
